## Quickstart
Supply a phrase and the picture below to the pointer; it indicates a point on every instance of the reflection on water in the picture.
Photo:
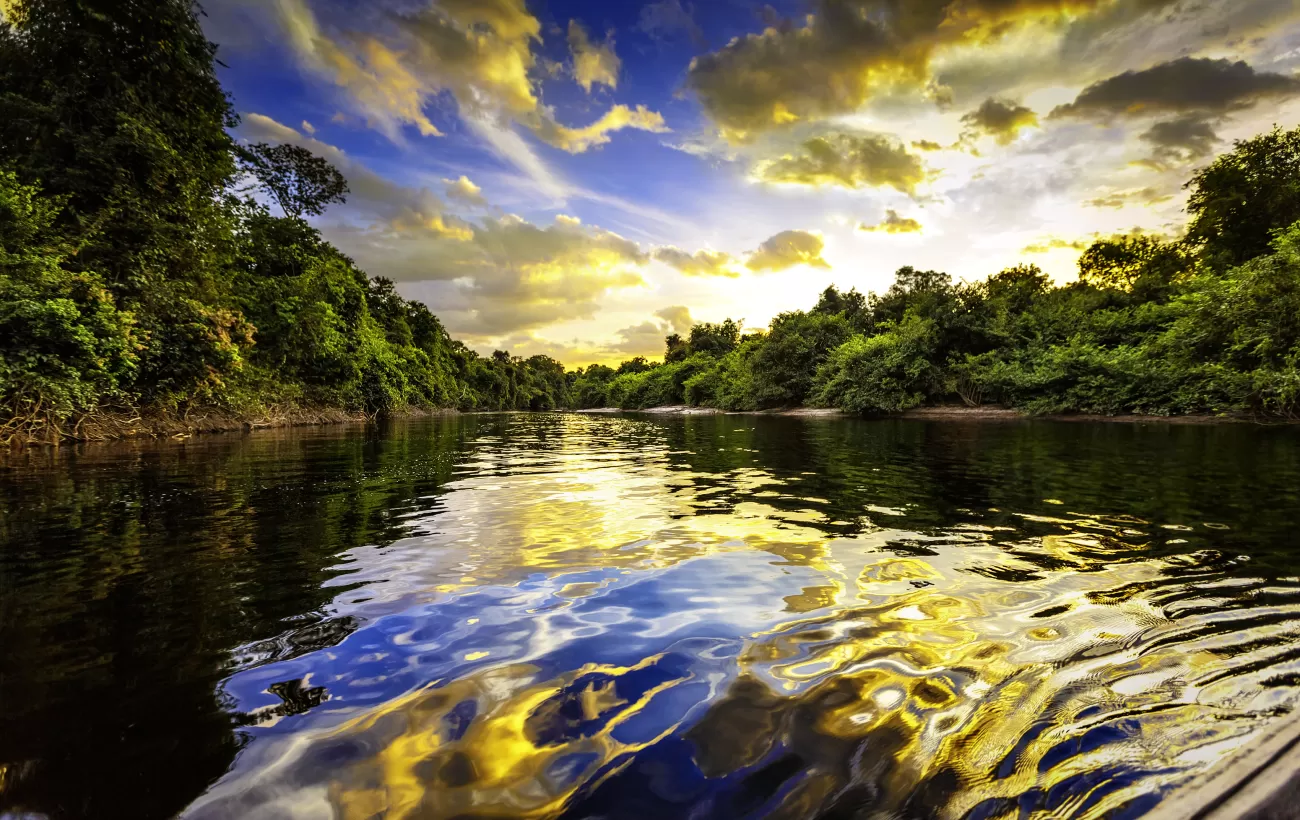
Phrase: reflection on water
(706, 617)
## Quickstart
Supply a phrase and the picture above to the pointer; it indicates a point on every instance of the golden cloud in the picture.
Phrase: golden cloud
(926, 145)
(678, 318)
(849, 160)
(387, 93)
(643, 339)
(514, 276)
(1121, 199)
(577, 140)
(593, 63)
(463, 190)
(700, 263)
(787, 249)
(893, 223)
(1001, 119)
(1054, 243)
(847, 49)
(478, 51)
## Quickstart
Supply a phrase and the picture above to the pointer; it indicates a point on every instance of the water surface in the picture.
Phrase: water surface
(636, 617)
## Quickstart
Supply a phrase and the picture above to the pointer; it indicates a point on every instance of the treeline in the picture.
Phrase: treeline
(1209, 323)
(137, 277)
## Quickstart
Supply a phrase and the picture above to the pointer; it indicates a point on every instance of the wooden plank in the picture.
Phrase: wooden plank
(1259, 782)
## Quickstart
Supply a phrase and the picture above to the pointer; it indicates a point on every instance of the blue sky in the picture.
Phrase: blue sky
(580, 178)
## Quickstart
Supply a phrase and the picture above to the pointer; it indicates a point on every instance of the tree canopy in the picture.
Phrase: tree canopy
(299, 181)
(138, 277)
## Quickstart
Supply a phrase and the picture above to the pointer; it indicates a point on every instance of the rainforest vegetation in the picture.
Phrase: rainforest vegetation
(139, 275)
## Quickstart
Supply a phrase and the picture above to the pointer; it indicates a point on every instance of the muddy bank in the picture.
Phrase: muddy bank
(684, 410)
(948, 413)
(115, 426)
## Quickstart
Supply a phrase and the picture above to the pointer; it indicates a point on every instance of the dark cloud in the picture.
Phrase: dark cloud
(838, 56)
(1185, 85)
(1001, 119)
(1181, 140)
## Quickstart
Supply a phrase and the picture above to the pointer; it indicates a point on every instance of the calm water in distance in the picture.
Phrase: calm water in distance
(503, 616)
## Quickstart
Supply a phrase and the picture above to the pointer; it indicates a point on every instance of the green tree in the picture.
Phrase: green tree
(113, 106)
(1245, 196)
(299, 181)
(885, 373)
(1135, 262)
(715, 339)
(64, 346)
(784, 363)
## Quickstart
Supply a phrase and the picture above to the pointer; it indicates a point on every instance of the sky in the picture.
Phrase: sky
(580, 178)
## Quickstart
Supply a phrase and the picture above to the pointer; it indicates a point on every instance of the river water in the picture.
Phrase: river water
(639, 617)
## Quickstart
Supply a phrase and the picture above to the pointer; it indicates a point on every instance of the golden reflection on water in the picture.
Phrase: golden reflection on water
(590, 619)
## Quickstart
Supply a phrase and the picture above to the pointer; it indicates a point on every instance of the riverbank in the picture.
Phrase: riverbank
(947, 413)
(116, 426)
(119, 426)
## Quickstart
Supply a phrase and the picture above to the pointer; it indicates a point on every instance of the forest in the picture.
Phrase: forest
(140, 276)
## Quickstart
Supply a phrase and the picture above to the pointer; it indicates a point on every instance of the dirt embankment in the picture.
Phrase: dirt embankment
(947, 413)
(112, 426)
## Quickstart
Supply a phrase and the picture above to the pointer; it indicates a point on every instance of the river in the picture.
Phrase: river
(556, 615)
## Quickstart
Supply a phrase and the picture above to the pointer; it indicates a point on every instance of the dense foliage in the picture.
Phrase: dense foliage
(1206, 324)
(137, 275)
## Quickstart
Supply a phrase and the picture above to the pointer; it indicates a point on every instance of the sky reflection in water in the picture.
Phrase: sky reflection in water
(755, 617)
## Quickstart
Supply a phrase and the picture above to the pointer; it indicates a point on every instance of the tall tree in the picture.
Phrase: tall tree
(1245, 197)
(298, 180)
(114, 106)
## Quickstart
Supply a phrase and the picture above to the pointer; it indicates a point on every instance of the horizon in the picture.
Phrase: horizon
(579, 179)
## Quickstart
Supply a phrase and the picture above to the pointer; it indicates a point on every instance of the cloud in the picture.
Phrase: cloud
(893, 223)
(647, 338)
(593, 63)
(787, 249)
(847, 51)
(1001, 119)
(1180, 141)
(465, 191)
(1050, 244)
(667, 18)
(578, 140)
(849, 160)
(700, 263)
(643, 339)
(1180, 86)
(477, 51)
(677, 317)
(387, 94)
(512, 275)
(926, 145)
(1122, 199)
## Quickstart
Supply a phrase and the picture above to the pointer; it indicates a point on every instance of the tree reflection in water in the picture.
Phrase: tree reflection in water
(546, 615)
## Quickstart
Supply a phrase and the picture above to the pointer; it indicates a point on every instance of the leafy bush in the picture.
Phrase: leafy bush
(64, 346)
(888, 372)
